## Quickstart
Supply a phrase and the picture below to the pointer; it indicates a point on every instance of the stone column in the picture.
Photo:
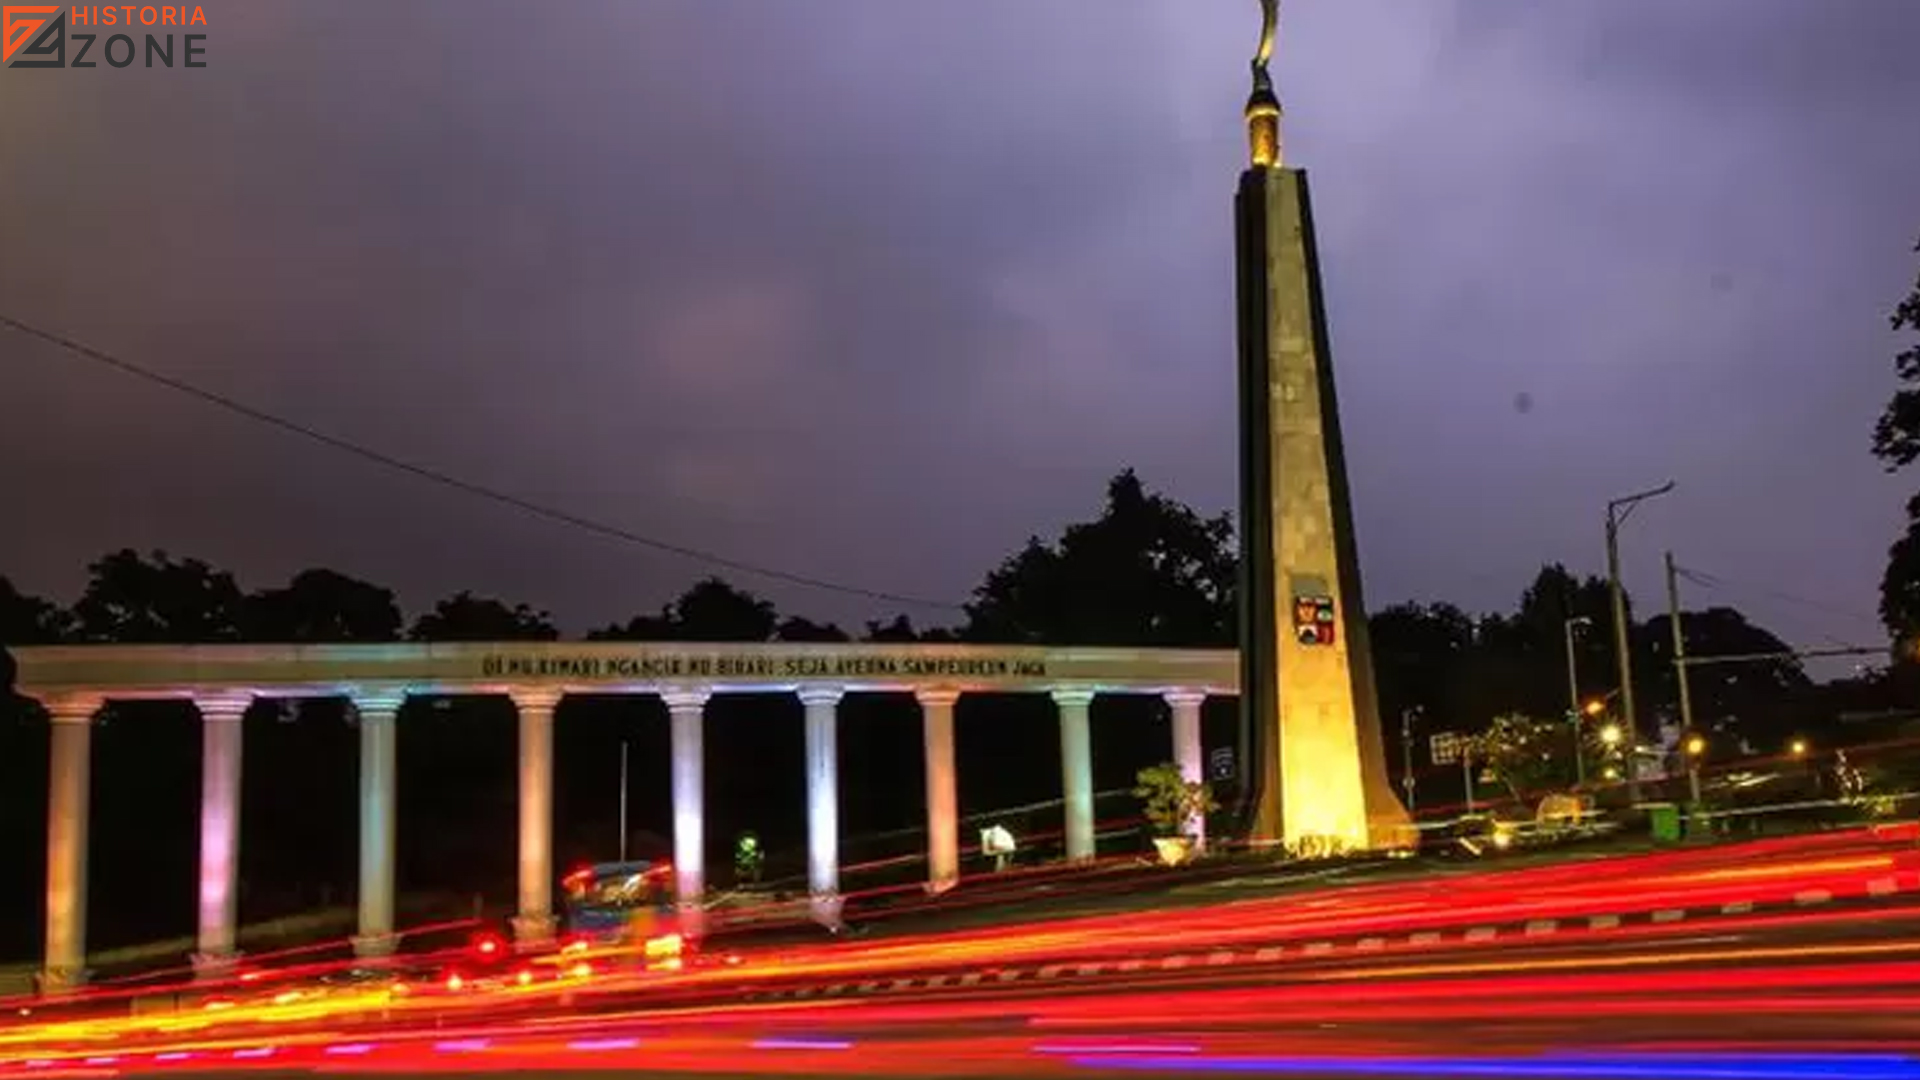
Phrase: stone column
(1076, 767)
(686, 710)
(221, 745)
(378, 762)
(534, 923)
(1187, 749)
(943, 788)
(69, 769)
(822, 705)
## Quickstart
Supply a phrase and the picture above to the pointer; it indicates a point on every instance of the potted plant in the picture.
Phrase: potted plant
(1175, 807)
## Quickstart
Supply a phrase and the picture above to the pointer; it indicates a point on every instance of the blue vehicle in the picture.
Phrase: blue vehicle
(623, 902)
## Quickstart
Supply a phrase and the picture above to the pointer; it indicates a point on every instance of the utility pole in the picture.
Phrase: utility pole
(1574, 712)
(1679, 646)
(1617, 513)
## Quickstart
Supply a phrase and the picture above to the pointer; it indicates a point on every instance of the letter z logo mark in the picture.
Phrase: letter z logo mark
(19, 24)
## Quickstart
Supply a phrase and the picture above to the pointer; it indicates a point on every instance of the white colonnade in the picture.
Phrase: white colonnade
(378, 710)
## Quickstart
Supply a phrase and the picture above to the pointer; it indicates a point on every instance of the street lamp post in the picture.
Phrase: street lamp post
(1573, 702)
(1407, 718)
(1696, 746)
(1466, 771)
(1617, 512)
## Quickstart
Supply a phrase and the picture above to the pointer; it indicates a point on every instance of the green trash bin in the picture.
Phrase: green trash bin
(1664, 820)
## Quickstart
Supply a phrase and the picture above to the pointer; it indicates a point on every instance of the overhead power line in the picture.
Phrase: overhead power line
(1843, 646)
(423, 472)
(1715, 581)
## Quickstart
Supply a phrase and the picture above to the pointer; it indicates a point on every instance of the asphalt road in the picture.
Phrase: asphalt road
(1674, 976)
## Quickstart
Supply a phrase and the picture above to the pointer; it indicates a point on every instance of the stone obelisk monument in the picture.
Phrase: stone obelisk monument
(1316, 756)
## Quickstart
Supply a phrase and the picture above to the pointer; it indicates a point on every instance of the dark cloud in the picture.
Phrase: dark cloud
(874, 290)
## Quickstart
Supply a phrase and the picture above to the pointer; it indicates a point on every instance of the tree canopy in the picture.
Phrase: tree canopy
(323, 606)
(1147, 571)
(466, 617)
(1896, 442)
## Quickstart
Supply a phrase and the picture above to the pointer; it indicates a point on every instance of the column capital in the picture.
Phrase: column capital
(821, 695)
(536, 697)
(377, 701)
(685, 698)
(1183, 696)
(223, 705)
(937, 696)
(76, 708)
(1073, 695)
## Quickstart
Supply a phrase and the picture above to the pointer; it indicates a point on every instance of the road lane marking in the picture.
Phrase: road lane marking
(1352, 974)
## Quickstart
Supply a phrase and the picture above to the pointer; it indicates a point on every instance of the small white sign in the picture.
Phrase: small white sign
(1445, 747)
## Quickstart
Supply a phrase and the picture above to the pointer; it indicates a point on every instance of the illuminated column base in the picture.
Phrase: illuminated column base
(534, 923)
(70, 766)
(686, 711)
(1076, 767)
(822, 706)
(378, 761)
(943, 789)
(1188, 752)
(375, 946)
(221, 730)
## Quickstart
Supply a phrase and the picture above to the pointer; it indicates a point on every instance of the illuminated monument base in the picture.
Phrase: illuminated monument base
(1318, 759)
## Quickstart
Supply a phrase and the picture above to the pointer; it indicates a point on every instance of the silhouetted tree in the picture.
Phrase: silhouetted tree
(466, 617)
(1896, 442)
(1538, 633)
(29, 620)
(323, 606)
(639, 628)
(1896, 437)
(132, 599)
(1755, 700)
(1420, 651)
(1900, 584)
(795, 628)
(1148, 571)
(713, 610)
(897, 631)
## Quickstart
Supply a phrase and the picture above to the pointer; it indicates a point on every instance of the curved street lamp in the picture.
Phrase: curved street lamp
(1618, 511)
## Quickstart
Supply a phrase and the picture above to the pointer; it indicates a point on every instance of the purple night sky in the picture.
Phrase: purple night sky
(871, 290)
